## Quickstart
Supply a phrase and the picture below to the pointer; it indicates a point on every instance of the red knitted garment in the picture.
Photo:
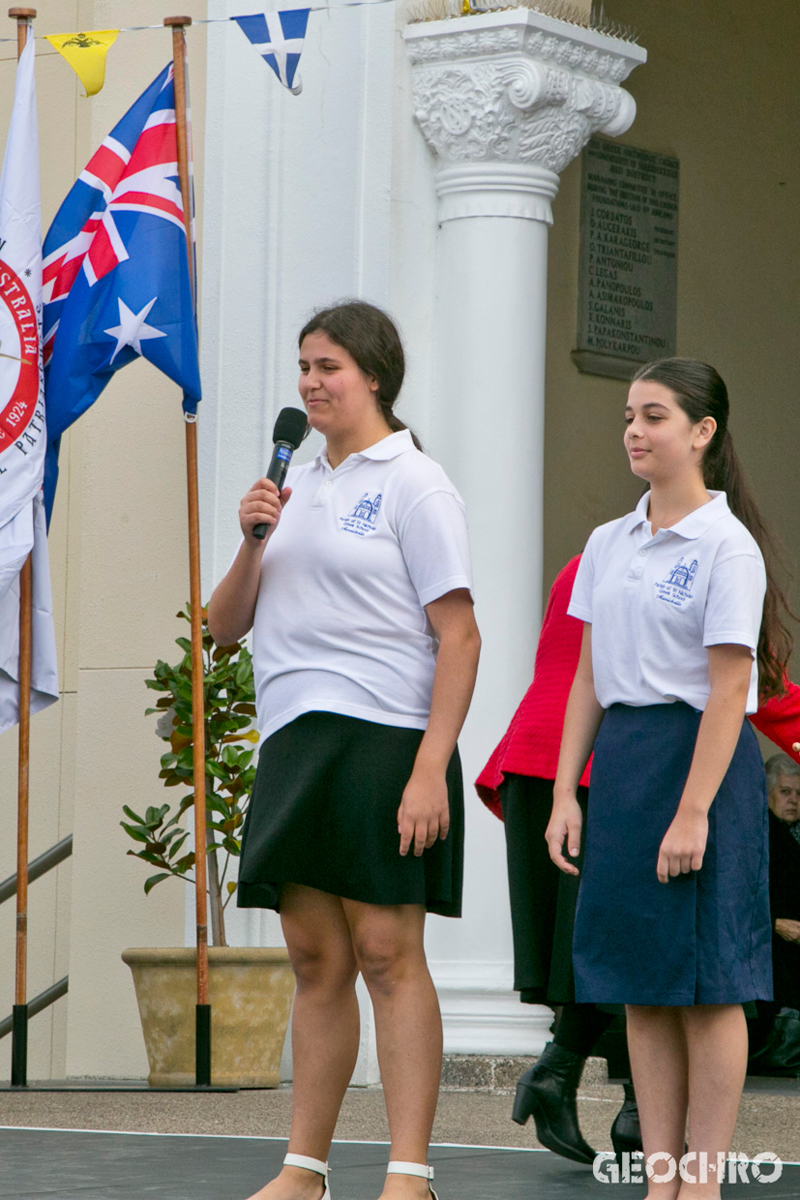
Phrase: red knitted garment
(531, 743)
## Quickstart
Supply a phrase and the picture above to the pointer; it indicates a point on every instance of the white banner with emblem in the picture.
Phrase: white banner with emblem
(22, 415)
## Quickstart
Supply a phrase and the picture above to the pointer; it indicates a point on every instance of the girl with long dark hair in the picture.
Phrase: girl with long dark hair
(683, 626)
(365, 650)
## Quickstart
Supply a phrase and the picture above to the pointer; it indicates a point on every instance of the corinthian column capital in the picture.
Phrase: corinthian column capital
(512, 97)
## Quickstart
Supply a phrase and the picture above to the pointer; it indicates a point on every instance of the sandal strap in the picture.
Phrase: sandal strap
(421, 1170)
(308, 1164)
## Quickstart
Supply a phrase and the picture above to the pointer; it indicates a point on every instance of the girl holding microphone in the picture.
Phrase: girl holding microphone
(682, 628)
(365, 651)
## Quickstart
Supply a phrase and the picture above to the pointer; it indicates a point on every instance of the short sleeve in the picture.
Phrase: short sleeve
(580, 604)
(435, 545)
(735, 602)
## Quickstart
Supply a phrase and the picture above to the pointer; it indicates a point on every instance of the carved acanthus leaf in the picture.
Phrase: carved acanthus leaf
(513, 108)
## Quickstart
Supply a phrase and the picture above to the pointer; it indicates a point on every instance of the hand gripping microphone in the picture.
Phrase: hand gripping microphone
(290, 429)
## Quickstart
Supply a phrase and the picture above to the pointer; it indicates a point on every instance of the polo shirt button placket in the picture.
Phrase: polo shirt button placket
(637, 566)
(322, 493)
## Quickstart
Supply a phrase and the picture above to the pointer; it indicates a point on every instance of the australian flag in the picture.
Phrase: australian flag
(115, 277)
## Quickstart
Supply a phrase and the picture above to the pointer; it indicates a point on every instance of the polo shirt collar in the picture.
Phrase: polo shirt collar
(692, 526)
(387, 448)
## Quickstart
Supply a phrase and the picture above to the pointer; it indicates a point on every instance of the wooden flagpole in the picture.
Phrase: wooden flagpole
(19, 1032)
(203, 1010)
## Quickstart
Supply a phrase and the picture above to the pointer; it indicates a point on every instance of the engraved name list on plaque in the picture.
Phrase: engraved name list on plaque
(627, 294)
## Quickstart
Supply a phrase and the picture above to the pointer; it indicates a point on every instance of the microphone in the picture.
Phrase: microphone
(290, 429)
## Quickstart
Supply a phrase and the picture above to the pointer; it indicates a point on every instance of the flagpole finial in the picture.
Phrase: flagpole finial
(22, 14)
(177, 20)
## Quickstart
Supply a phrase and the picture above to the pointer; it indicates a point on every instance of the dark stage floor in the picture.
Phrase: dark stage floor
(41, 1164)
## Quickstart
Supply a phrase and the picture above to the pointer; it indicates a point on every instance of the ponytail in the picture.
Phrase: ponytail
(701, 392)
(371, 339)
(395, 424)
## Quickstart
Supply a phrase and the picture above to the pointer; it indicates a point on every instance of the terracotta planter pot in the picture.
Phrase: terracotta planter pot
(250, 991)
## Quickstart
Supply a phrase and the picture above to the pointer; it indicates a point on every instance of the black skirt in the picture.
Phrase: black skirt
(323, 814)
(542, 897)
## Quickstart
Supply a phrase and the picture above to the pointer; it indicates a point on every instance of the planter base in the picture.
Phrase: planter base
(250, 991)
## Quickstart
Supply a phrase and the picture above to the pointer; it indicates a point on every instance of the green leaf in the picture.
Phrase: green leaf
(231, 887)
(216, 803)
(153, 880)
(168, 837)
(157, 860)
(137, 834)
(173, 850)
(243, 673)
(185, 758)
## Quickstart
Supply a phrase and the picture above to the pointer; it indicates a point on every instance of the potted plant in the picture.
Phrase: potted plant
(250, 989)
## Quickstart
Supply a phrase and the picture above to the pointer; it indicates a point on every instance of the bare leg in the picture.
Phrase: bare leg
(325, 1029)
(388, 942)
(716, 1036)
(659, 1064)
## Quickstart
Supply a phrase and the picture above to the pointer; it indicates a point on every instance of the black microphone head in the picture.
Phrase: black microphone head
(290, 427)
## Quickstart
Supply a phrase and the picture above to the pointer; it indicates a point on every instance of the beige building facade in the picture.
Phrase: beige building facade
(716, 92)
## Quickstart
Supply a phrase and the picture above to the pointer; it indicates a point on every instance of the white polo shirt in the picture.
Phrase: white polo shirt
(656, 603)
(340, 624)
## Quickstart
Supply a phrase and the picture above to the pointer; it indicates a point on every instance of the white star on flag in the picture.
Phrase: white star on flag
(132, 330)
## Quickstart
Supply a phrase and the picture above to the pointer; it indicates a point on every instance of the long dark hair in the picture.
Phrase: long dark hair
(371, 339)
(701, 392)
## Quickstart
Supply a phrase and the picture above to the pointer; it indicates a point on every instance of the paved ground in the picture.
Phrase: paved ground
(769, 1116)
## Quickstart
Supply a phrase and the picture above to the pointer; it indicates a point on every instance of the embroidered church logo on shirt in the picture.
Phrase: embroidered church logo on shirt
(362, 519)
(677, 587)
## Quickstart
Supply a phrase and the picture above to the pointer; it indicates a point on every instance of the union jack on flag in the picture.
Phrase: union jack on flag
(115, 277)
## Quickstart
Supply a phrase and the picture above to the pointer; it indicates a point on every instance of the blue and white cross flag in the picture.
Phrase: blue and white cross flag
(278, 37)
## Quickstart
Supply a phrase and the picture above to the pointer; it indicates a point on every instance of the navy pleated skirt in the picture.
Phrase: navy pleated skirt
(702, 938)
(323, 814)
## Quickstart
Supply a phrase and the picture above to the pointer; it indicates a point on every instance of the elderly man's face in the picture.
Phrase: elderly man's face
(784, 798)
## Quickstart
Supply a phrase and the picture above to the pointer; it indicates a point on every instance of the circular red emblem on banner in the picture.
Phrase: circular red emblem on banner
(19, 357)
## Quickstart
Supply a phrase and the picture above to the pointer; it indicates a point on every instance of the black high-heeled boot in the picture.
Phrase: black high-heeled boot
(547, 1092)
(626, 1136)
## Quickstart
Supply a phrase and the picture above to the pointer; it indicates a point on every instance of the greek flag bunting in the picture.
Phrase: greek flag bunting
(278, 37)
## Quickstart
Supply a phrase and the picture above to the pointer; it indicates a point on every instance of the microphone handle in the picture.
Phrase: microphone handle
(281, 457)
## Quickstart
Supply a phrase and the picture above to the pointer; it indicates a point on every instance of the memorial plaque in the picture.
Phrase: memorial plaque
(627, 296)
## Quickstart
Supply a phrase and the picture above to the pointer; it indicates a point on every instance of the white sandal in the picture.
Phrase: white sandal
(408, 1168)
(311, 1164)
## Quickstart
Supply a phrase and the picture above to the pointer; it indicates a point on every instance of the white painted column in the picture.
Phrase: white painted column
(505, 100)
